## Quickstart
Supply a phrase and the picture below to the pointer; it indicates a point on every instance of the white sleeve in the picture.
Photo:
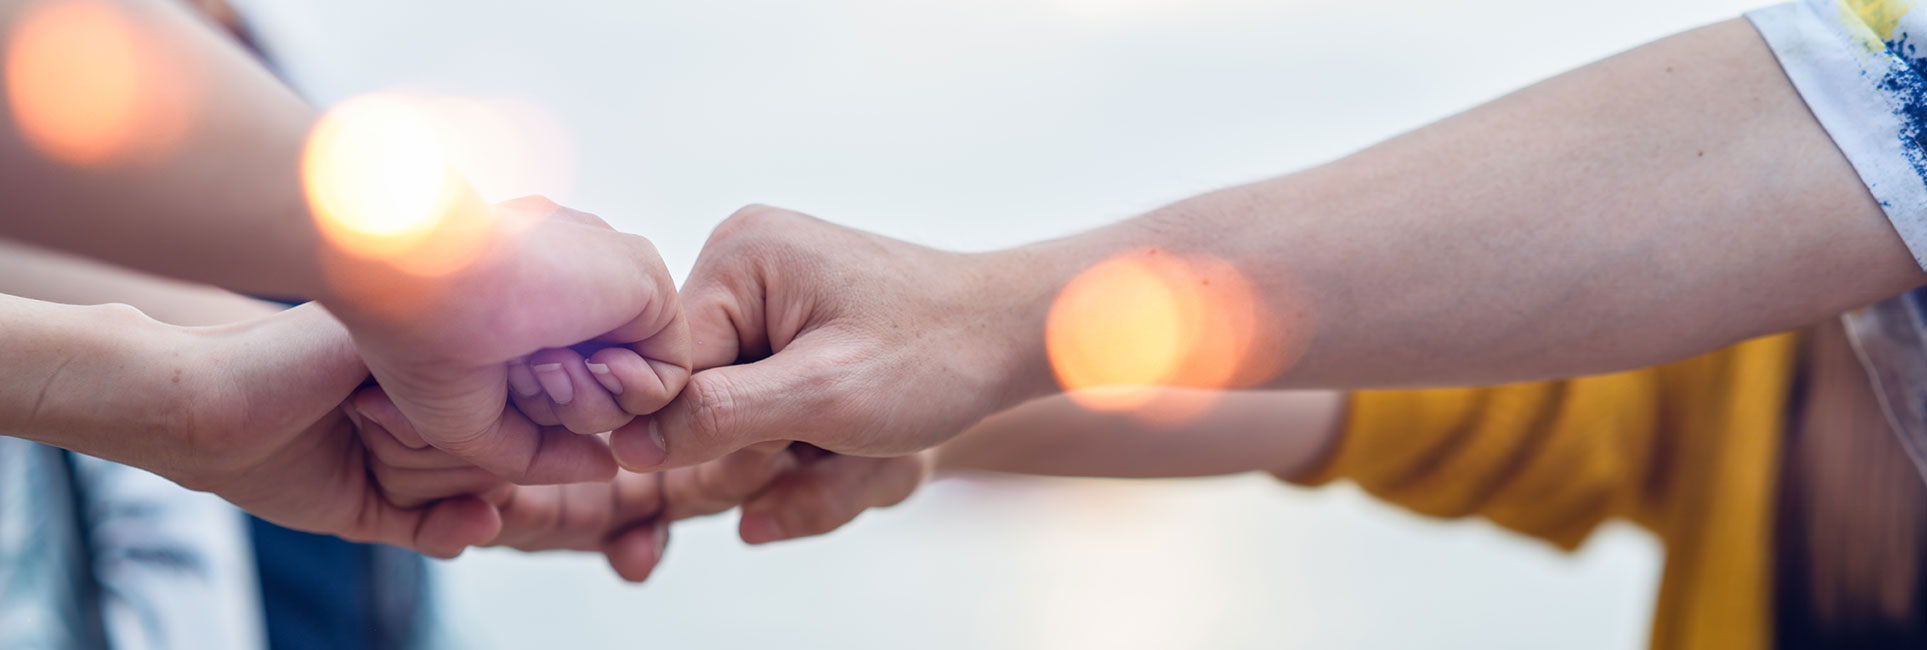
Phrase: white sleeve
(1858, 65)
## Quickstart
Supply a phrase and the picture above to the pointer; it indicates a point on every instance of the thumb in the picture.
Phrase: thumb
(728, 408)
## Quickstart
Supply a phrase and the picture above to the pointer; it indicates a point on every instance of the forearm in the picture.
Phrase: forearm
(1660, 203)
(40, 274)
(1288, 433)
(190, 147)
(101, 380)
(191, 161)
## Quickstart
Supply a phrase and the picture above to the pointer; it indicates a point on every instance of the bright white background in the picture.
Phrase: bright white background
(974, 124)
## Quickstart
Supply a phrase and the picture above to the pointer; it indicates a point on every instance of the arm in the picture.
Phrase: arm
(1286, 433)
(1662, 202)
(248, 411)
(1658, 204)
(135, 134)
(40, 274)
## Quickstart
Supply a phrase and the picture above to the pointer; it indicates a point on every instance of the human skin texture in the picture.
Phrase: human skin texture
(1658, 204)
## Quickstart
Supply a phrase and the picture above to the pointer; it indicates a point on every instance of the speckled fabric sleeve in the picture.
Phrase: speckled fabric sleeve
(1859, 66)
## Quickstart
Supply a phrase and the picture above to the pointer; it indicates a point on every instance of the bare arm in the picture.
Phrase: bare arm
(1654, 205)
(40, 274)
(1287, 433)
(1661, 203)
(133, 133)
(181, 146)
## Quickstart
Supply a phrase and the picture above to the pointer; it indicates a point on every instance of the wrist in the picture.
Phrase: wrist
(1018, 287)
(385, 279)
(116, 388)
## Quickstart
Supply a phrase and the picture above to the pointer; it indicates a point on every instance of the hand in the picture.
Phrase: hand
(553, 278)
(785, 492)
(264, 429)
(849, 341)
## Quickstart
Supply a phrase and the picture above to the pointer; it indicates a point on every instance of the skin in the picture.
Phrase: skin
(784, 491)
(226, 207)
(1605, 219)
(248, 411)
(1655, 205)
(627, 520)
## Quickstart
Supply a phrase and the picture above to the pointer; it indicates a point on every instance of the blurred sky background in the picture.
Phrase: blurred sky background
(976, 124)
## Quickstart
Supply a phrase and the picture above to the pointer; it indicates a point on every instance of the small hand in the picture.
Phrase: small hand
(557, 278)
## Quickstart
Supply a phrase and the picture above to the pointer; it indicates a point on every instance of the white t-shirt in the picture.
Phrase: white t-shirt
(1862, 70)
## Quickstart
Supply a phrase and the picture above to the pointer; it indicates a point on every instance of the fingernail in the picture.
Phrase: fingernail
(662, 538)
(640, 453)
(522, 380)
(555, 382)
(601, 373)
(761, 528)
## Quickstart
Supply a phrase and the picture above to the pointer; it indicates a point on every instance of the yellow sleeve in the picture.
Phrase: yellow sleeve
(1553, 459)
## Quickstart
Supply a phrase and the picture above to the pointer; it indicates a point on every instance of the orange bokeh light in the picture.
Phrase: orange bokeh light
(86, 86)
(1130, 326)
(380, 188)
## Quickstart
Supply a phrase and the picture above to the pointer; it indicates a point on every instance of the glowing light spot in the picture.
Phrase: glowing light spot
(1117, 324)
(379, 186)
(507, 147)
(86, 87)
(1125, 331)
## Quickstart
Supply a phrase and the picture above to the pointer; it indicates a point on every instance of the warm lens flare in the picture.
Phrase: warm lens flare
(380, 187)
(86, 86)
(507, 146)
(1134, 323)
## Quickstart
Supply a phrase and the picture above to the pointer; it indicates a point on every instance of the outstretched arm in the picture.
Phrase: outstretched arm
(1663, 202)
(134, 133)
(1288, 433)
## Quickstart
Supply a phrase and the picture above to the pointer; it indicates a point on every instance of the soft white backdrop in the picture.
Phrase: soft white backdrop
(974, 124)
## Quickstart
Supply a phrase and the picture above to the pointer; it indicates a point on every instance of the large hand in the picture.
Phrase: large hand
(557, 278)
(852, 342)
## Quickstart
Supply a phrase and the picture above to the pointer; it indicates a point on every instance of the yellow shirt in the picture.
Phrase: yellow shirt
(1688, 450)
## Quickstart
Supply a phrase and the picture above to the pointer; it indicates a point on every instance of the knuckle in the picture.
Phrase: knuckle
(532, 203)
(753, 218)
(712, 404)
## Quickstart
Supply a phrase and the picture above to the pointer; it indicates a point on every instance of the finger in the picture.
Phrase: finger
(410, 488)
(443, 529)
(641, 386)
(386, 450)
(823, 496)
(721, 484)
(578, 399)
(515, 449)
(635, 553)
(723, 305)
(529, 512)
(525, 392)
(546, 517)
(660, 335)
(372, 404)
(725, 409)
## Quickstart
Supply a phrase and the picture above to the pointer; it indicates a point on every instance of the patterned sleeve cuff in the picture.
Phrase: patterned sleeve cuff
(1854, 63)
